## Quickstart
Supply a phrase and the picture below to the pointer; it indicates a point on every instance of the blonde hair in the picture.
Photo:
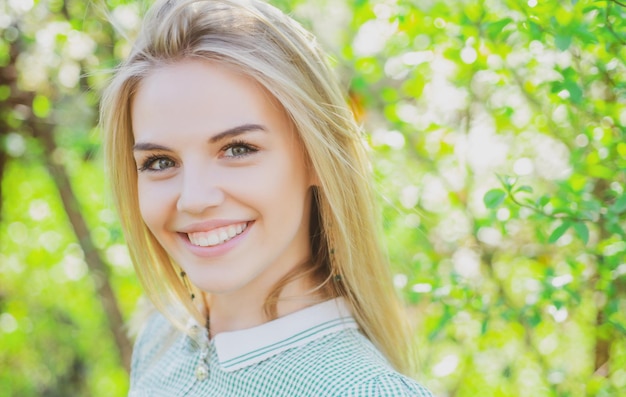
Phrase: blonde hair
(262, 42)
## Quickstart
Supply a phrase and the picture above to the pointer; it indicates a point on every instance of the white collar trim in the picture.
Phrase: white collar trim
(239, 349)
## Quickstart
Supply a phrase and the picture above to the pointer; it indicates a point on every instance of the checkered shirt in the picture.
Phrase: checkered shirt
(317, 351)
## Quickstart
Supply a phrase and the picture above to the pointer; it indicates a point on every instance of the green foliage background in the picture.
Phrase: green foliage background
(498, 136)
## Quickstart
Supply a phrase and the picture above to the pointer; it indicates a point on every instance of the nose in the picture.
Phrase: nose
(198, 192)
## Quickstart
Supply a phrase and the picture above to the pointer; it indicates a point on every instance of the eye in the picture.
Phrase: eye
(157, 163)
(238, 149)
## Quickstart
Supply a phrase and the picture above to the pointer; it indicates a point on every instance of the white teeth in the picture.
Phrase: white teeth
(216, 236)
(213, 238)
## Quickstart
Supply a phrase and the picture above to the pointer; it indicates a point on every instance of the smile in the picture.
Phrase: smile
(217, 236)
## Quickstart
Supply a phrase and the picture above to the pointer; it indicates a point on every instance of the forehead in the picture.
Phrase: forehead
(201, 95)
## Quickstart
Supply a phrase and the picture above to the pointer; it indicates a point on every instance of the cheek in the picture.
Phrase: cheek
(154, 201)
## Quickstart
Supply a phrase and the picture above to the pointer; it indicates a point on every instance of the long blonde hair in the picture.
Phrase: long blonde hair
(262, 42)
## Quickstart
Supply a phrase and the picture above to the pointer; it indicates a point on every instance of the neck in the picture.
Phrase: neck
(236, 311)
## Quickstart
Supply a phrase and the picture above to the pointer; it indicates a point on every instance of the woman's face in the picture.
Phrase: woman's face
(222, 180)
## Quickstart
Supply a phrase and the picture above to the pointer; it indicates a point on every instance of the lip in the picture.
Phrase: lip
(216, 250)
(210, 225)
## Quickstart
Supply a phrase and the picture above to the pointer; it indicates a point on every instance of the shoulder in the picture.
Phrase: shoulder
(151, 341)
(350, 365)
(390, 384)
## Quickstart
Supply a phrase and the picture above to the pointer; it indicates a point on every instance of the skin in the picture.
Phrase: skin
(214, 149)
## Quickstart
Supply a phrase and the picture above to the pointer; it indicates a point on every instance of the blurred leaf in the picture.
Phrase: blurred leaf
(542, 201)
(559, 231)
(619, 205)
(563, 41)
(493, 198)
(582, 231)
(494, 29)
(524, 188)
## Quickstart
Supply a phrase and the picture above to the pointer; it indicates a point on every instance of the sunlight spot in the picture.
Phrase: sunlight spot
(408, 113)
(18, 232)
(598, 133)
(454, 227)
(394, 139)
(415, 58)
(21, 5)
(383, 11)
(39, 210)
(503, 214)
(446, 366)
(15, 144)
(422, 288)
(5, 21)
(469, 55)
(581, 140)
(603, 153)
(614, 248)
(434, 194)
(561, 281)
(559, 315)
(620, 271)
(372, 37)
(532, 3)
(8, 323)
(79, 45)
(409, 196)
(523, 166)
(412, 221)
(118, 255)
(69, 74)
(50, 241)
(396, 69)
(549, 344)
(490, 235)
(466, 263)
(74, 267)
(126, 16)
(556, 377)
(400, 280)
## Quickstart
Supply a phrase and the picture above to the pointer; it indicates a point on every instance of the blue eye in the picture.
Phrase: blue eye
(157, 163)
(238, 149)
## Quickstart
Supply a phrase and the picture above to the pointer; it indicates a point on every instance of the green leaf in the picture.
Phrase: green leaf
(558, 232)
(543, 201)
(582, 231)
(563, 42)
(507, 181)
(495, 28)
(619, 205)
(494, 198)
(524, 188)
(575, 92)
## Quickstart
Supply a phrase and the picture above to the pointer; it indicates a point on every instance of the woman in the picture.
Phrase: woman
(243, 189)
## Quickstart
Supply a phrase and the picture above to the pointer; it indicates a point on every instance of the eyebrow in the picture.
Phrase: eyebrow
(232, 132)
(229, 133)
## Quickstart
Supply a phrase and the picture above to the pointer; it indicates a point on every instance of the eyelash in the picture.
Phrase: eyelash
(150, 160)
(239, 143)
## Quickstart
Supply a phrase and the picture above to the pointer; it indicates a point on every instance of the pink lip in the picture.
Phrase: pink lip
(217, 250)
(209, 225)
